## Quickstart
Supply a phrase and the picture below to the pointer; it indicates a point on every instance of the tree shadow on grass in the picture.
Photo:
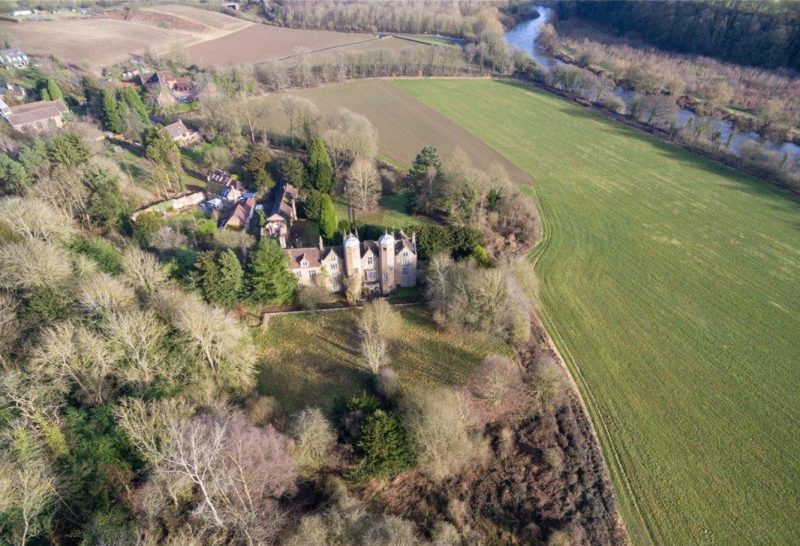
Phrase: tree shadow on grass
(323, 366)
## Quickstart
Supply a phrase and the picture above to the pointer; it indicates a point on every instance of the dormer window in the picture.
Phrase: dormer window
(405, 253)
(369, 260)
(304, 263)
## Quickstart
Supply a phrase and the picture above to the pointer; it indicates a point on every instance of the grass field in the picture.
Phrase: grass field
(326, 363)
(672, 286)
(404, 124)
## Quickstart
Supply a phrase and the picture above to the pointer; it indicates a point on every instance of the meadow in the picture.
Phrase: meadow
(672, 287)
(326, 362)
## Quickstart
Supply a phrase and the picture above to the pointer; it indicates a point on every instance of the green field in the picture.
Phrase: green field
(672, 286)
(314, 356)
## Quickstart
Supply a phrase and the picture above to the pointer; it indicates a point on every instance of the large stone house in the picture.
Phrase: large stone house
(383, 265)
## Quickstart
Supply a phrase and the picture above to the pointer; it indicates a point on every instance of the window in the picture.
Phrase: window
(334, 266)
(371, 277)
(312, 274)
(385, 277)
(405, 261)
(405, 270)
(304, 264)
(405, 253)
(299, 274)
(369, 260)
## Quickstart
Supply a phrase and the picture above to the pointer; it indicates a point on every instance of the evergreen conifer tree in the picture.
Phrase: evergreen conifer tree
(53, 90)
(328, 220)
(268, 278)
(111, 120)
(320, 171)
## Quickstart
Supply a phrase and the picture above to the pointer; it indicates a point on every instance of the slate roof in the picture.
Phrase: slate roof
(281, 203)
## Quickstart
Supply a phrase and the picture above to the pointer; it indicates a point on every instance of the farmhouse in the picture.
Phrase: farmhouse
(35, 117)
(181, 135)
(280, 213)
(13, 58)
(383, 265)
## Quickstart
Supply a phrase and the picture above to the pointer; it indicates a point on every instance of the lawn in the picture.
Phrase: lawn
(672, 286)
(313, 357)
(392, 212)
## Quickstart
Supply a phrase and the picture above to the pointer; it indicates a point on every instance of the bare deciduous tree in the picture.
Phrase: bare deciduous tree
(143, 268)
(27, 489)
(314, 439)
(438, 426)
(32, 219)
(379, 324)
(32, 264)
(363, 184)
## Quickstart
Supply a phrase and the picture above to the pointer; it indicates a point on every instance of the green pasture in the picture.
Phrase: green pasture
(672, 287)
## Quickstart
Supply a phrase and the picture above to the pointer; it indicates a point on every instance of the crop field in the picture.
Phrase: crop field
(404, 124)
(388, 43)
(259, 43)
(205, 17)
(672, 287)
(93, 42)
(326, 364)
(101, 42)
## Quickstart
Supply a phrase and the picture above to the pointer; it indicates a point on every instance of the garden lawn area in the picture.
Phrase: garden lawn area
(312, 358)
(671, 285)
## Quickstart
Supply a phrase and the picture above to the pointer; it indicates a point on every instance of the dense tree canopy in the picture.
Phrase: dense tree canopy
(746, 32)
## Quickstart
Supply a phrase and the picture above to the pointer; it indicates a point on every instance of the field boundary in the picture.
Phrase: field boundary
(572, 370)
(309, 52)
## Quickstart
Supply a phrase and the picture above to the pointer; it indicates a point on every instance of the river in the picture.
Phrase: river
(524, 35)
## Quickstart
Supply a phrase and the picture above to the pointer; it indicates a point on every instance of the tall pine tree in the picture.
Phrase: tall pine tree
(231, 278)
(268, 278)
(53, 90)
(320, 171)
(111, 119)
(328, 220)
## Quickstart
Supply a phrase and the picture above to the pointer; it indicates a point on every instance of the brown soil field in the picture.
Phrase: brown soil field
(403, 123)
(258, 43)
(208, 18)
(390, 43)
(93, 42)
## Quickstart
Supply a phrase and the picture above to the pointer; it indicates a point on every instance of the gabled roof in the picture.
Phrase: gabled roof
(36, 111)
(242, 214)
(177, 129)
(281, 204)
(297, 255)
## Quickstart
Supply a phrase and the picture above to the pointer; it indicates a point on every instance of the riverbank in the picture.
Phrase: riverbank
(727, 159)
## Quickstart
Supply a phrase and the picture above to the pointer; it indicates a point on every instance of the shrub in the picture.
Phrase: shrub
(382, 441)
(314, 441)
(103, 253)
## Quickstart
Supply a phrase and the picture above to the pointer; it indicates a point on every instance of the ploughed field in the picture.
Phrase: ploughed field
(403, 123)
(672, 287)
